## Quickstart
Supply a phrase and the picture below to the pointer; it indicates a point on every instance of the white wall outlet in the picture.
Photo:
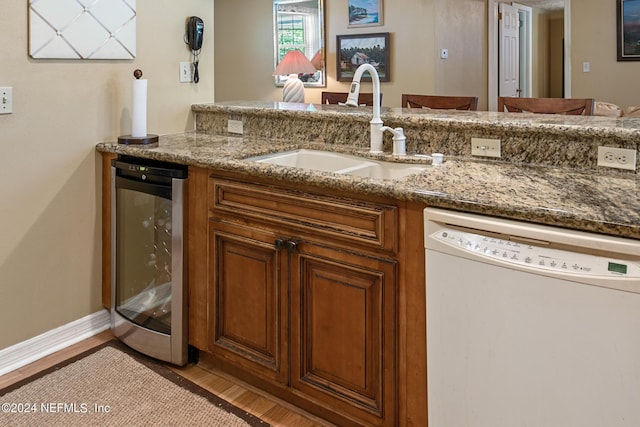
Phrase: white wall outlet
(620, 158)
(235, 126)
(6, 100)
(185, 72)
(485, 147)
(444, 53)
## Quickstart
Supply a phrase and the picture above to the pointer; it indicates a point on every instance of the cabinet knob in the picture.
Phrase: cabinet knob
(280, 244)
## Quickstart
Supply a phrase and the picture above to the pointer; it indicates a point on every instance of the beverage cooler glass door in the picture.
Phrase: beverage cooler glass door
(149, 310)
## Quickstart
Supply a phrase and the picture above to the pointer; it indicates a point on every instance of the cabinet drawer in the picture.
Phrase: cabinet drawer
(356, 221)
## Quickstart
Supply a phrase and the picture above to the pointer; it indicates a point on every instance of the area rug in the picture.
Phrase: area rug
(112, 385)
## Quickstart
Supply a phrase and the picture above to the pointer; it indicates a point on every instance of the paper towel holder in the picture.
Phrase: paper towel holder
(138, 140)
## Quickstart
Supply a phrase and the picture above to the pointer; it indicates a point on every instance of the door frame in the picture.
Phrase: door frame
(526, 48)
(492, 49)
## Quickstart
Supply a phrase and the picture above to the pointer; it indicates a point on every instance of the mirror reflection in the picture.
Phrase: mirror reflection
(299, 25)
(471, 68)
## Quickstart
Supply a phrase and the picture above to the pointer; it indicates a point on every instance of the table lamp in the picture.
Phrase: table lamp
(294, 63)
(317, 60)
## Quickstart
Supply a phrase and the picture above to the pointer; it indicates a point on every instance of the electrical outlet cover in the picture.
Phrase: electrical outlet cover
(619, 158)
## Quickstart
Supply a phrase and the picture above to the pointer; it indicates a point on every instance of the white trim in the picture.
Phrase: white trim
(23, 353)
(492, 8)
(526, 54)
(567, 48)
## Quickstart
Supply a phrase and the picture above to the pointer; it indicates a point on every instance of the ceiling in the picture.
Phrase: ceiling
(550, 5)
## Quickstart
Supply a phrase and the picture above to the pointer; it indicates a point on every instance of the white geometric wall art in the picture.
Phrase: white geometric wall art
(82, 29)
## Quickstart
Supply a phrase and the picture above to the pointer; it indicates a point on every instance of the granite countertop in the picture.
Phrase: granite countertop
(572, 198)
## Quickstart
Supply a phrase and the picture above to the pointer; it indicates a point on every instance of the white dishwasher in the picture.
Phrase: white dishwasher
(530, 325)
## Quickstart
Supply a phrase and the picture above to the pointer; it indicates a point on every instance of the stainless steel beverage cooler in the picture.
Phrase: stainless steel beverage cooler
(149, 287)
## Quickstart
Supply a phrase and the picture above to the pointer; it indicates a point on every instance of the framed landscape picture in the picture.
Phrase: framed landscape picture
(365, 13)
(628, 24)
(355, 50)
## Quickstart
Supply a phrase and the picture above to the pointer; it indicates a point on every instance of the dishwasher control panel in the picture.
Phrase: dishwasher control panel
(537, 256)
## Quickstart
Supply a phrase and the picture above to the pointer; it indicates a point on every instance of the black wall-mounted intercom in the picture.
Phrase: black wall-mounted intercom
(193, 37)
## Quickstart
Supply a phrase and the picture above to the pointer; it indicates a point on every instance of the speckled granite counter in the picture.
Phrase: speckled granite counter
(573, 198)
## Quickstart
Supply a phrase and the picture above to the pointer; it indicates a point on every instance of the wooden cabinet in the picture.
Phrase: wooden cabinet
(302, 292)
(343, 331)
(335, 323)
(248, 300)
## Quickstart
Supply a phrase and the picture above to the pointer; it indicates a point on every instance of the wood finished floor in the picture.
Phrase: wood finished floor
(264, 406)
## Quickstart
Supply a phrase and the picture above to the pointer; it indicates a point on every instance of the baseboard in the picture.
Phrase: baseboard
(21, 354)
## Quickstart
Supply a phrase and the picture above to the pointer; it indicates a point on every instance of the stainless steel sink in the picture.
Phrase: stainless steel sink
(328, 161)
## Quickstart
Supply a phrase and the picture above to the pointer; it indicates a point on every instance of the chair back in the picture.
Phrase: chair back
(341, 97)
(573, 106)
(440, 102)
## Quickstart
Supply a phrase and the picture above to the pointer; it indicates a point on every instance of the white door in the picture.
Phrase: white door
(509, 51)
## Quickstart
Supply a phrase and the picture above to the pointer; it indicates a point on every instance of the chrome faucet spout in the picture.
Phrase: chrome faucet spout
(352, 101)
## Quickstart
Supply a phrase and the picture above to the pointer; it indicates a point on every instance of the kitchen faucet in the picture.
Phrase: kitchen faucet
(352, 101)
(377, 128)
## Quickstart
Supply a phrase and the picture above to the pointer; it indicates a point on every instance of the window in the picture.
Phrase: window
(291, 34)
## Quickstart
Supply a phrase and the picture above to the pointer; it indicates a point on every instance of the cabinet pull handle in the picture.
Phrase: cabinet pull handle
(292, 245)
(280, 244)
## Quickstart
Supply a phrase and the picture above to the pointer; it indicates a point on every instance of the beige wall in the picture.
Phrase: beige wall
(539, 54)
(556, 54)
(49, 192)
(244, 51)
(412, 63)
(593, 38)
(461, 27)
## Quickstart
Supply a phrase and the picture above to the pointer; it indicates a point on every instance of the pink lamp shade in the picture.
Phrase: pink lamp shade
(317, 60)
(294, 63)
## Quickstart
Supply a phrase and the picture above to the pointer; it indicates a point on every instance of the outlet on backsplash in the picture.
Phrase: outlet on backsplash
(619, 158)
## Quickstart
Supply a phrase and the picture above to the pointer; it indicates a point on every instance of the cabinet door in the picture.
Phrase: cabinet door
(247, 300)
(343, 331)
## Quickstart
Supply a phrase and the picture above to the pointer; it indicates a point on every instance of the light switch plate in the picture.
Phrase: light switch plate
(185, 72)
(235, 126)
(485, 147)
(6, 100)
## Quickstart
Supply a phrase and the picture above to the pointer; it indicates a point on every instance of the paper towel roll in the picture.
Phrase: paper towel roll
(139, 120)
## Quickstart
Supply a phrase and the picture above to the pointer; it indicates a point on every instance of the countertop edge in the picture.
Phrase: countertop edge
(179, 148)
